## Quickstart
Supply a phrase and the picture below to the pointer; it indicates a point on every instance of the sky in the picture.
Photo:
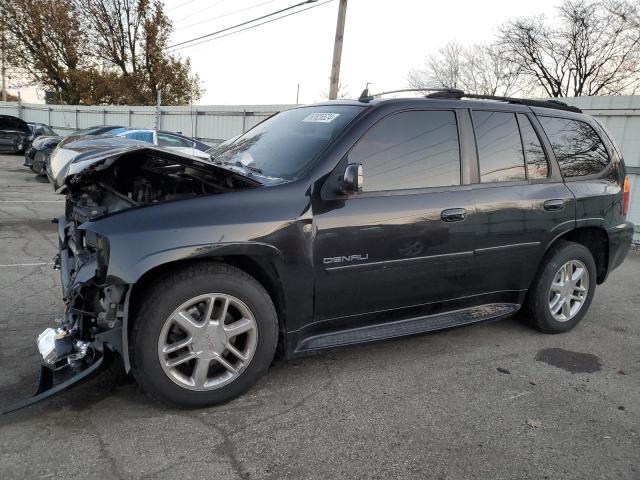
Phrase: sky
(383, 41)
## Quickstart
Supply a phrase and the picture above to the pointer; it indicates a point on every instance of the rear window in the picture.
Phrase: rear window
(499, 147)
(537, 166)
(578, 148)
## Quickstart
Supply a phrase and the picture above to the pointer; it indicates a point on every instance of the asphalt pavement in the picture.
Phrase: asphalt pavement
(491, 401)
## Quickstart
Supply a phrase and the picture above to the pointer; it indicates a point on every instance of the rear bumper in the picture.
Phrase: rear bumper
(620, 238)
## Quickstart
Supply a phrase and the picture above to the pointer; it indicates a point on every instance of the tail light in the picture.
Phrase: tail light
(625, 196)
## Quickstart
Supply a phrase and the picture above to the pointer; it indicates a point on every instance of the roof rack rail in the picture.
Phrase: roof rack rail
(558, 105)
(366, 97)
(457, 94)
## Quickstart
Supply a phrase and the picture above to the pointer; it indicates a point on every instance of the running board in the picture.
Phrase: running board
(410, 326)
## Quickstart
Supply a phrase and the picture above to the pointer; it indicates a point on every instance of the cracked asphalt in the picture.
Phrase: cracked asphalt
(430, 406)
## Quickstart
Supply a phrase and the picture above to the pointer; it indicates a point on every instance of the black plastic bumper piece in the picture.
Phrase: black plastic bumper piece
(48, 387)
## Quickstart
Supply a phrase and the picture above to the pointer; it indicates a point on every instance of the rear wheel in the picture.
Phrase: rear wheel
(203, 336)
(563, 289)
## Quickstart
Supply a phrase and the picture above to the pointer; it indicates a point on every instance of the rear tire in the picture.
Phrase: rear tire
(214, 299)
(563, 289)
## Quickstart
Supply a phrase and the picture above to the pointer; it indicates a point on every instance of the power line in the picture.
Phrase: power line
(225, 15)
(208, 7)
(241, 24)
(254, 26)
(180, 6)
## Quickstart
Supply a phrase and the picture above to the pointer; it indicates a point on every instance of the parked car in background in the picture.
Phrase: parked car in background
(37, 155)
(38, 130)
(14, 133)
(172, 141)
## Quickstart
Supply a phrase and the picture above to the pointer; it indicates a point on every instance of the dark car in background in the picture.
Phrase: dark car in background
(37, 155)
(14, 134)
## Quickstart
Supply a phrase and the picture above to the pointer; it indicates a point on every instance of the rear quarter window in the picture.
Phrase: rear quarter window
(576, 145)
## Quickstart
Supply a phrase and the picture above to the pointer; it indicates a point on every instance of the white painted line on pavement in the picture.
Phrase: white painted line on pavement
(31, 201)
(26, 264)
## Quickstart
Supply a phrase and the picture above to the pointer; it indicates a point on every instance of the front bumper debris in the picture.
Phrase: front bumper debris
(53, 381)
(89, 334)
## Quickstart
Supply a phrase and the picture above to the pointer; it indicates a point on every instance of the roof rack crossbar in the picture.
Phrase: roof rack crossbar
(365, 96)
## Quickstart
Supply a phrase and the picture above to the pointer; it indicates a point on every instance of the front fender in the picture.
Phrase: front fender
(132, 272)
(191, 252)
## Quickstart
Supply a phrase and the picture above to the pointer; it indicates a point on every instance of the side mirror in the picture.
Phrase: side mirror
(353, 179)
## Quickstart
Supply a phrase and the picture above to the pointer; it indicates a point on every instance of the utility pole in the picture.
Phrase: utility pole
(337, 51)
(298, 94)
(158, 110)
(4, 66)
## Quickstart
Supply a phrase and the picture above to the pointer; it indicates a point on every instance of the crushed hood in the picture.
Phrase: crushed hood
(74, 162)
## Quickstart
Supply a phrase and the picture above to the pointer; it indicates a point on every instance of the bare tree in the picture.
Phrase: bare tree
(593, 50)
(480, 69)
(131, 37)
(47, 44)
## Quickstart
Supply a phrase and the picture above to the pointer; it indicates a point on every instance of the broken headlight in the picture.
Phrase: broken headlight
(100, 245)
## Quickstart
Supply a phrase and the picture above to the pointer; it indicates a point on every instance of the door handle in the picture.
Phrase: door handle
(453, 215)
(554, 205)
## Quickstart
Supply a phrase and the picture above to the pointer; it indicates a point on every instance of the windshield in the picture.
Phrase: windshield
(283, 145)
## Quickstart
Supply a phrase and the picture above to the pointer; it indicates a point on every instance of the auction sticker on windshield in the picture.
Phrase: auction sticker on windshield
(321, 117)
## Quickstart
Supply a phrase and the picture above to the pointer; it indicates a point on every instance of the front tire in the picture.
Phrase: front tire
(562, 291)
(203, 335)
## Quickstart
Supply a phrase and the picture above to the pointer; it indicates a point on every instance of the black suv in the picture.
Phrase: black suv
(330, 225)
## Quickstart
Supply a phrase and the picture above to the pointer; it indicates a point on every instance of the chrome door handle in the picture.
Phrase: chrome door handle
(453, 215)
(554, 205)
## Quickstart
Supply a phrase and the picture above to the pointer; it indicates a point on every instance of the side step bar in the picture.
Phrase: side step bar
(410, 326)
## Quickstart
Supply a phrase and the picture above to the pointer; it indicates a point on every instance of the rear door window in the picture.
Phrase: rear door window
(537, 164)
(499, 147)
(578, 148)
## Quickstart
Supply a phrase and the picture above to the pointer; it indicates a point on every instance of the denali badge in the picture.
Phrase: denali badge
(345, 259)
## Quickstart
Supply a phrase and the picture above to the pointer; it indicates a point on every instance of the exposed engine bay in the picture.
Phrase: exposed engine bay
(141, 180)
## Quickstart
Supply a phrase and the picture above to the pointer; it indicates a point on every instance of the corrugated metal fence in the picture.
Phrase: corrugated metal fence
(211, 124)
(215, 123)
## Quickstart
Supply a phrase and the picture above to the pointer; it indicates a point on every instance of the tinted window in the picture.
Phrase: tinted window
(165, 140)
(577, 146)
(499, 147)
(139, 135)
(410, 150)
(286, 143)
(537, 165)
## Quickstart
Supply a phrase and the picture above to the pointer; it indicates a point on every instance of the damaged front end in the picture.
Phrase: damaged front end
(92, 329)
(88, 335)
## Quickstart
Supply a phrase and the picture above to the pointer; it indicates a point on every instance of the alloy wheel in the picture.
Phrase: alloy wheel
(569, 290)
(208, 341)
